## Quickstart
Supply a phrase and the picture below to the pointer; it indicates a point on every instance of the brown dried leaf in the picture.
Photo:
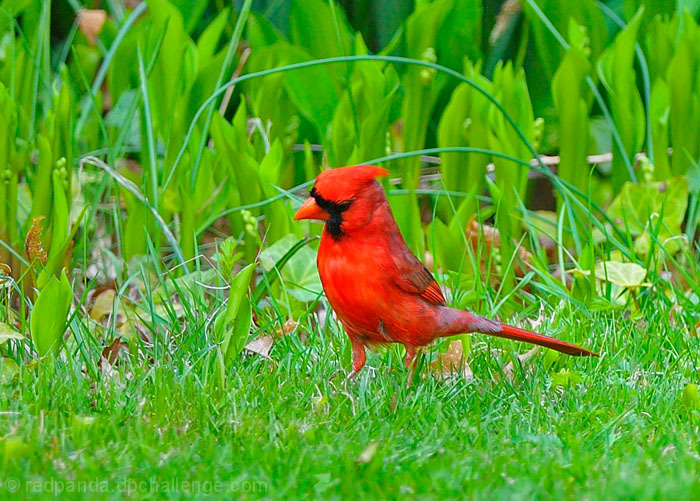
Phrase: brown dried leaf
(287, 328)
(524, 359)
(111, 353)
(90, 23)
(32, 244)
(453, 362)
(261, 346)
(5, 269)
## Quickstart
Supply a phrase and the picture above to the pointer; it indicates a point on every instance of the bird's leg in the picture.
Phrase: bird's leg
(358, 357)
(410, 362)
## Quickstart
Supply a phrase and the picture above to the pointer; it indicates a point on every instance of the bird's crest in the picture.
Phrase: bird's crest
(343, 182)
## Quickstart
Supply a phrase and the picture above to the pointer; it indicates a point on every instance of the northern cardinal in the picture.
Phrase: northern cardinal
(379, 290)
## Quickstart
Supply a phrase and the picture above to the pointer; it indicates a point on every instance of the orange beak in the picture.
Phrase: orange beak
(309, 210)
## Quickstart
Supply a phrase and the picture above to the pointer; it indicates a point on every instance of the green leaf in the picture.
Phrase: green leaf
(465, 122)
(637, 209)
(683, 80)
(407, 214)
(629, 275)
(312, 26)
(690, 396)
(209, 40)
(191, 12)
(310, 89)
(239, 333)
(448, 250)
(7, 333)
(422, 85)
(616, 70)
(8, 370)
(190, 284)
(166, 84)
(459, 36)
(48, 318)
(299, 274)
(261, 32)
(560, 12)
(659, 115)
(369, 100)
(570, 93)
(60, 235)
(232, 327)
(566, 378)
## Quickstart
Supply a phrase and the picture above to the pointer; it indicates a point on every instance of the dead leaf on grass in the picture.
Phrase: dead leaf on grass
(287, 328)
(111, 353)
(368, 453)
(90, 23)
(453, 362)
(524, 358)
(261, 346)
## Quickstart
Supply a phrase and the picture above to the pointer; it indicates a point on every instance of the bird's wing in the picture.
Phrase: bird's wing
(415, 278)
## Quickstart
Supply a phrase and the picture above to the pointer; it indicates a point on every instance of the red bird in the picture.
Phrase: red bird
(379, 290)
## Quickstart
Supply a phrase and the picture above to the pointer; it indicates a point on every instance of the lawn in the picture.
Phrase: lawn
(163, 327)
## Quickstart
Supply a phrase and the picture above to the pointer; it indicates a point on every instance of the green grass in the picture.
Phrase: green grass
(294, 426)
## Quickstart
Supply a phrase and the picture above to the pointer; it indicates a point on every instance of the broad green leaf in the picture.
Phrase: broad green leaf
(570, 94)
(616, 70)
(366, 107)
(459, 36)
(209, 39)
(659, 114)
(683, 78)
(12, 449)
(690, 396)
(232, 327)
(299, 274)
(8, 370)
(191, 284)
(48, 318)
(312, 26)
(560, 12)
(278, 218)
(191, 12)
(465, 122)
(448, 250)
(566, 378)
(7, 333)
(59, 220)
(165, 84)
(261, 32)
(629, 275)
(311, 89)
(660, 43)
(638, 207)
(422, 85)
(268, 98)
(407, 214)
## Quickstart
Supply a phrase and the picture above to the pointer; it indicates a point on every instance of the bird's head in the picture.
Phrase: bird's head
(344, 198)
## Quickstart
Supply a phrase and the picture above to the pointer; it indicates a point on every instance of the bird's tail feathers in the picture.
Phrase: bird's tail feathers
(457, 321)
(518, 334)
